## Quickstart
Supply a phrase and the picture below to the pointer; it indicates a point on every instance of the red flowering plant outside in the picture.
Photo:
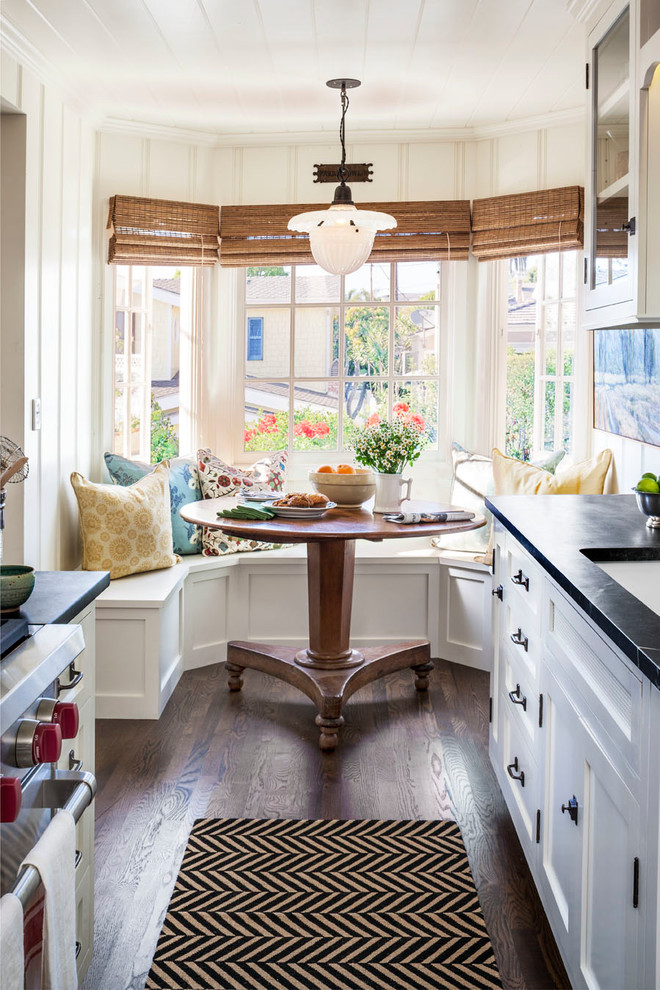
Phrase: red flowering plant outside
(387, 447)
(311, 431)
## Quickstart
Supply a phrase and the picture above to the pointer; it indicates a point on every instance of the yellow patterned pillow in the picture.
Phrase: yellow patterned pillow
(513, 477)
(126, 530)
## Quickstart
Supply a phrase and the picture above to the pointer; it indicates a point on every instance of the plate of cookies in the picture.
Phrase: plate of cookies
(301, 505)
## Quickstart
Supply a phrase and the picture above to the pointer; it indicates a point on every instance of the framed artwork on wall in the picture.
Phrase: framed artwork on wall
(627, 383)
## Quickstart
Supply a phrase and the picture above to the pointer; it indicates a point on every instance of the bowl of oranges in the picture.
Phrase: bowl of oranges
(344, 484)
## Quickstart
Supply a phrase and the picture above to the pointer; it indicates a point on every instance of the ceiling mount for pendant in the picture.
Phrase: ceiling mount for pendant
(342, 237)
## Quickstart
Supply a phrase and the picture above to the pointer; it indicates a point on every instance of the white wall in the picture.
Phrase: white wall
(47, 344)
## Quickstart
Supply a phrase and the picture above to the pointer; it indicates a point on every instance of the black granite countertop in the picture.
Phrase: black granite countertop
(59, 596)
(555, 529)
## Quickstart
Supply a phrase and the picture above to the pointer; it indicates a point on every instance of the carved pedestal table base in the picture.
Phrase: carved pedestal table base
(328, 671)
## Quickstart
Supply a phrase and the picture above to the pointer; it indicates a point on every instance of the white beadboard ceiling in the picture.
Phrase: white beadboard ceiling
(259, 66)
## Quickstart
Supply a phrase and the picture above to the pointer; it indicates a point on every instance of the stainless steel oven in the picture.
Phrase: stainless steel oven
(36, 673)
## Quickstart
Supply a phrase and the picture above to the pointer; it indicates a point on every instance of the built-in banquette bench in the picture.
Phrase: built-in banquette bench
(151, 627)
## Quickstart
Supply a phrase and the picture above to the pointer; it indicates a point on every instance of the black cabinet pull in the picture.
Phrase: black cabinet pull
(517, 698)
(78, 948)
(520, 578)
(497, 592)
(514, 773)
(76, 677)
(571, 808)
(520, 640)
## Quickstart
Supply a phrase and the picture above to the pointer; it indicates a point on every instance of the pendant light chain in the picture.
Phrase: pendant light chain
(342, 171)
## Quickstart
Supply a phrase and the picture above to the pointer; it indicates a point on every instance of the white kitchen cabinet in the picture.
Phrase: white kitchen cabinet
(622, 208)
(586, 739)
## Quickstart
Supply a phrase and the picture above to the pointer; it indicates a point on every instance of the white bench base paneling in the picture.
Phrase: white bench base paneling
(151, 627)
(139, 629)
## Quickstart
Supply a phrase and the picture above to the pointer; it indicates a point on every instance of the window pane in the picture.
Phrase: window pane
(121, 285)
(313, 284)
(549, 417)
(316, 341)
(276, 329)
(268, 284)
(519, 403)
(416, 341)
(552, 275)
(550, 317)
(121, 398)
(362, 400)
(421, 398)
(371, 283)
(137, 288)
(266, 416)
(120, 346)
(138, 446)
(137, 347)
(315, 415)
(367, 340)
(568, 336)
(567, 417)
(417, 280)
(569, 270)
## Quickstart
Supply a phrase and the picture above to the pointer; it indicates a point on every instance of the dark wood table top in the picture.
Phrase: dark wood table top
(336, 524)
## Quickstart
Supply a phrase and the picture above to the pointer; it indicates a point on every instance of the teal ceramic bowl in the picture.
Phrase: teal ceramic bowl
(16, 585)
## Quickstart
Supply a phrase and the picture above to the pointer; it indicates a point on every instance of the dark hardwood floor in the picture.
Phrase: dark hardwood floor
(254, 754)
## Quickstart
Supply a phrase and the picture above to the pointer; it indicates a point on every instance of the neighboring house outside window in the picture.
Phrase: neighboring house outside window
(540, 342)
(324, 352)
(147, 358)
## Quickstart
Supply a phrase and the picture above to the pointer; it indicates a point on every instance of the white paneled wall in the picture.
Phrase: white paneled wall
(54, 358)
(631, 460)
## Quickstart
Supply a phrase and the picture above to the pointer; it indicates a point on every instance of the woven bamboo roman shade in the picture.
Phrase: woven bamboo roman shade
(258, 235)
(528, 223)
(611, 237)
(161, 232)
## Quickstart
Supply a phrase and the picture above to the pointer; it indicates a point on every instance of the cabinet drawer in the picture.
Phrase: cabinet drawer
(521, 577)
(600, 682)
(522, 795)
(521, 634)
(520, 695)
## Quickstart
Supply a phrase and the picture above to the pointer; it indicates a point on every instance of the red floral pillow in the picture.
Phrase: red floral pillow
(219, 479)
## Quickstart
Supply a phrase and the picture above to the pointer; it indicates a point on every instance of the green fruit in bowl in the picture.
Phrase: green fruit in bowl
(648, 484)
(649, 474)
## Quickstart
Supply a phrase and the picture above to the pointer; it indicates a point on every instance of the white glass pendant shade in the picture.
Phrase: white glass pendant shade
(341, 238)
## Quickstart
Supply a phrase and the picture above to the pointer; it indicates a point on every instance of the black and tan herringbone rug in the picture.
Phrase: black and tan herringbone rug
(330, 905)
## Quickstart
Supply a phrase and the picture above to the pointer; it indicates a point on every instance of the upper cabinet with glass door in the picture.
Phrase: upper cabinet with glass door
(621, 209)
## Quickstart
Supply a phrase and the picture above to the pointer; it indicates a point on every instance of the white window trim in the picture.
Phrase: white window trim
(191, 359)
(494, 288)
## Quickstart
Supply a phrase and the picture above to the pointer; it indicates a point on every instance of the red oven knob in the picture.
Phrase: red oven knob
(65, 713)
(37, 742)
(10, 798)
(47, 743)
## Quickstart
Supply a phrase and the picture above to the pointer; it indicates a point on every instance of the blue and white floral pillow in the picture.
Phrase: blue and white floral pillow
(184, 488)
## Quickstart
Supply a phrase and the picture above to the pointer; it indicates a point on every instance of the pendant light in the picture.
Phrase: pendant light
(341, 238)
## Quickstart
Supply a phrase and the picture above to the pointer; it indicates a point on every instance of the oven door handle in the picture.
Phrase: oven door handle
(71, 790)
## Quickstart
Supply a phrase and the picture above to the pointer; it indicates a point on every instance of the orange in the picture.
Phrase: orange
(325, 469)
(345, 469)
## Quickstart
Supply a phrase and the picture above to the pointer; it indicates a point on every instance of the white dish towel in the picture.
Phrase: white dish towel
(53, 856)
(11, 943)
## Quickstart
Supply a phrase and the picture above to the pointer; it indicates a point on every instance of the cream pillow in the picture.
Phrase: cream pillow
(126, 530)
(513, 477)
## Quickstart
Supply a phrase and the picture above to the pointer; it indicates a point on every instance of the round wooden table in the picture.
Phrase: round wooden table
(328, 671)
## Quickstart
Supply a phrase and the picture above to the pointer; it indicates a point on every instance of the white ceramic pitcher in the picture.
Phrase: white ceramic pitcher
(389, 489)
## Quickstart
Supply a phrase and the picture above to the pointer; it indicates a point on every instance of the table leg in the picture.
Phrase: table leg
(330, 570)
(329, 671)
